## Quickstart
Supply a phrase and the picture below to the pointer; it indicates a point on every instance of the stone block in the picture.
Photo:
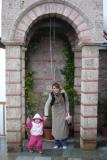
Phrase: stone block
(89, 87)
(38, 11)
(73, 15)
(45, 8)
(13, 51)
(89, 98)
(90, 51)
(13, 76)
(59, 8)
(87, 145)
(15, 125)
(27, 20)
(89, 110)
(14, 137)
(22, 27)
(88, 133)
(13, 64)
(67, 11)
(90, 122)
(78, 20)
(89, 75)
(12, 113)
(14, 101)
(53, 7)
(32, 15)
(13, 89)
(90, 63)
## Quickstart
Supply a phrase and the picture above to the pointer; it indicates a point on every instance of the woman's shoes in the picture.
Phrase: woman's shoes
(56, 147)
(30, 151)
(64, 147)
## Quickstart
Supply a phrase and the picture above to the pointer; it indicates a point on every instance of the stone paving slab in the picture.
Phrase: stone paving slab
(28, 156)
(72, 153)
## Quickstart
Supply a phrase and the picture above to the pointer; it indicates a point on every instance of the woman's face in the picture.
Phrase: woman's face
(56, 90)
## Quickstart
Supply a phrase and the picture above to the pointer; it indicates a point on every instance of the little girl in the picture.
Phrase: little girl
(36, 133)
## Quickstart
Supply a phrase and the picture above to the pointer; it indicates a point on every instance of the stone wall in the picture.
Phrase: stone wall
(40, 62)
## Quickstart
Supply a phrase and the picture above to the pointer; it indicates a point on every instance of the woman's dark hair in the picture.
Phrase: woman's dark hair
(57, 85)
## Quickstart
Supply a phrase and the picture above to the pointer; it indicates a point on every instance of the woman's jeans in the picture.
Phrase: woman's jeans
(61, 143)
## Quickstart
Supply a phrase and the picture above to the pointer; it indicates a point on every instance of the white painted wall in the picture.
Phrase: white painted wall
(2, 120)
(2, 86)
(105, 14)
(2, 93)
(2, 75)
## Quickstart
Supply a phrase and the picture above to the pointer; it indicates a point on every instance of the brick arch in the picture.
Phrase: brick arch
(65, 10)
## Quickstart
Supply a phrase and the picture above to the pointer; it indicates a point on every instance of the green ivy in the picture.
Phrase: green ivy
(68, 73)
(29, 84)
(31, 100)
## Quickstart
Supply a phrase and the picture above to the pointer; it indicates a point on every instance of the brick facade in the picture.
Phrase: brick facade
(86, 21)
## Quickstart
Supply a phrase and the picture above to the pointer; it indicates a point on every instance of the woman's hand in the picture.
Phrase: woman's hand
(68, 118)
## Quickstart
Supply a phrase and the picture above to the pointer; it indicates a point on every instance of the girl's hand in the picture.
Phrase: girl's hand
(45, 118)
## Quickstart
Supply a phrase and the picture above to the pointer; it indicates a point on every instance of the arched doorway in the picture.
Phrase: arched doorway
(63, 37)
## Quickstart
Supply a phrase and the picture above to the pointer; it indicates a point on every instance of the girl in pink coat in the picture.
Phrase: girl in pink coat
(36, 133)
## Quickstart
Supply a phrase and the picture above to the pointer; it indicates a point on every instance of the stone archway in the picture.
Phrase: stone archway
(89, 70)
(66, 11)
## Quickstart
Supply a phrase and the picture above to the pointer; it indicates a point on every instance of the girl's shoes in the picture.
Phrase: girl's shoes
(40, 152)
(30, 151)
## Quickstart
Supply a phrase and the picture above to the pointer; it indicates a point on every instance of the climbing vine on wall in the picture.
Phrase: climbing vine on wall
(30, 100)
(68, 72)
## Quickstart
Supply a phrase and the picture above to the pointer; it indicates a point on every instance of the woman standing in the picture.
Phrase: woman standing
(58, 100)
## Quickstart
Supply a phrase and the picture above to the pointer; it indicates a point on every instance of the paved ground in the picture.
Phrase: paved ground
(73, 152)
